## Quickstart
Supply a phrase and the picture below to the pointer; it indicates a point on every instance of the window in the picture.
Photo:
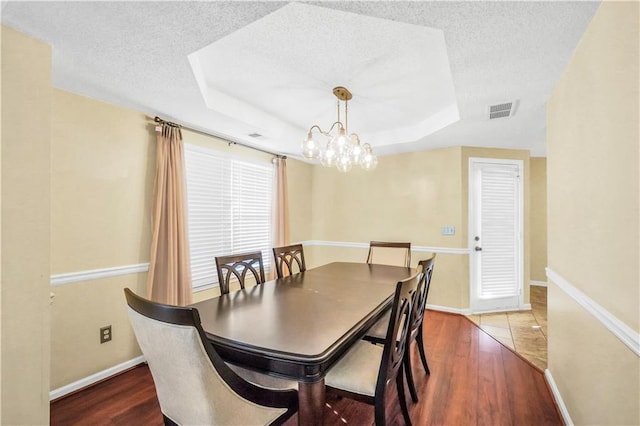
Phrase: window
(229, 205)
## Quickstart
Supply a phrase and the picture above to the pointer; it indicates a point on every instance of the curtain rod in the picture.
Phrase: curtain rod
(230, 142)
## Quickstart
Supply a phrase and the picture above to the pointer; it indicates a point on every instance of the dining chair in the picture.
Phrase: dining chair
(365, 370)
(377, 333)
(389, 253)
(193, 384)
(238, 265)
(289, 256)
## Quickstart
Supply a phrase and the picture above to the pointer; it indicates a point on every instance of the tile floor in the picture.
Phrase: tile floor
(525, 332)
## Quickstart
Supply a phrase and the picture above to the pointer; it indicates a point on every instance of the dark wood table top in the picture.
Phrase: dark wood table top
(298, 326)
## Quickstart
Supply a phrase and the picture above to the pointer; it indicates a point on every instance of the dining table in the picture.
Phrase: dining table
(296, 327)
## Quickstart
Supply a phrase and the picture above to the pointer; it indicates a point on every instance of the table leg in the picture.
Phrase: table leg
(311, 400)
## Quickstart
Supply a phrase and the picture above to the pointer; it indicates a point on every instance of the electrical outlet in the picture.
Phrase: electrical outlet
(105, 334)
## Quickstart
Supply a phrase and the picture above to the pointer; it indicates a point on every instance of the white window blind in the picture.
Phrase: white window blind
(229, 210)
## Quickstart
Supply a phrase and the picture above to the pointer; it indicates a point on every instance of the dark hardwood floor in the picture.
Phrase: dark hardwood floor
(474, 381)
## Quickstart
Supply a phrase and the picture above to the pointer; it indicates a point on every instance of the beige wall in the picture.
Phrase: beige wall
(1, 400)
(407, 197)
(25, 317)
(538, 211)
(593, 192)
(102, 170)
(103, 163)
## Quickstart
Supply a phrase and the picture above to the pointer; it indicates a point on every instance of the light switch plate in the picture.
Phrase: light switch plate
(448, 230)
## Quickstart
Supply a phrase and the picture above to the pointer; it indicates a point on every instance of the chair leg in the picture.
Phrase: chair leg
(380, 414)
(409, 373)
(402, 397)
(423, 356)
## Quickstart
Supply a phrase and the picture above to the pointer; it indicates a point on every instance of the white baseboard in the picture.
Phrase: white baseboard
(559, 401)
(448, 309)
(468, 311)
(538, 283)
(94, 378)
(523, 307)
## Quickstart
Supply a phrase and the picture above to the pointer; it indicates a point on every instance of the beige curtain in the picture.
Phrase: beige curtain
(169, 278)
(280, 207)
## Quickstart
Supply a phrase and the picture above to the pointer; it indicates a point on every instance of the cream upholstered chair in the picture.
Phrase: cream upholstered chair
(287, 257)
(193, 384)
(365, 370)
(239, 265)
(389, 253)
(377, 333)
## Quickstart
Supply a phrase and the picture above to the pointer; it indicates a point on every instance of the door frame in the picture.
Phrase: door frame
(471, 232)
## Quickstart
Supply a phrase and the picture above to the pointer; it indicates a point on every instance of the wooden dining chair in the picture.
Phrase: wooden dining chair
(238, 266)
(193, 384)
(389, 253)
(287, 257)
(365, 370)
(377, 333)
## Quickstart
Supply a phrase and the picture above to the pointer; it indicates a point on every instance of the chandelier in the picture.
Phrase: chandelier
(341, 151)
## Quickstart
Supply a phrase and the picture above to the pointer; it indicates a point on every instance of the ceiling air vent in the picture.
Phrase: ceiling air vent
(503, 110)
(255, 135)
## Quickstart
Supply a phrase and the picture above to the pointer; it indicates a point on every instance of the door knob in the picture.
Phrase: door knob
(478, 248)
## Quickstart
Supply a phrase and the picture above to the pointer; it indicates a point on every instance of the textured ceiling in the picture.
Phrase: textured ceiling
(136, 55)
(400, 93)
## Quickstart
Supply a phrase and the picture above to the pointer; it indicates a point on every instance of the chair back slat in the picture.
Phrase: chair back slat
(238, 266)
(289, 256)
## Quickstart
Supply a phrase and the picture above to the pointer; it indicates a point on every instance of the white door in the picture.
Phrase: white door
(495, 234)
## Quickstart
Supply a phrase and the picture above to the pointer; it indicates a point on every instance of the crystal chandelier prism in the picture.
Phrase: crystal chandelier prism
(342, 150)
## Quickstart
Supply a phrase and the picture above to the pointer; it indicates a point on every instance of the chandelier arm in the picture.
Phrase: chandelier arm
(340, 126)
(328, 132)
(315, 126)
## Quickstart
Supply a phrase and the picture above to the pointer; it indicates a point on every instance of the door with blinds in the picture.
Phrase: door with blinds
(495, 234)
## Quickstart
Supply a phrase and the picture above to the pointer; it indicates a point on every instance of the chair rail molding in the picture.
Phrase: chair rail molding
(417, 249)
(622, 331)
(95, 274)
